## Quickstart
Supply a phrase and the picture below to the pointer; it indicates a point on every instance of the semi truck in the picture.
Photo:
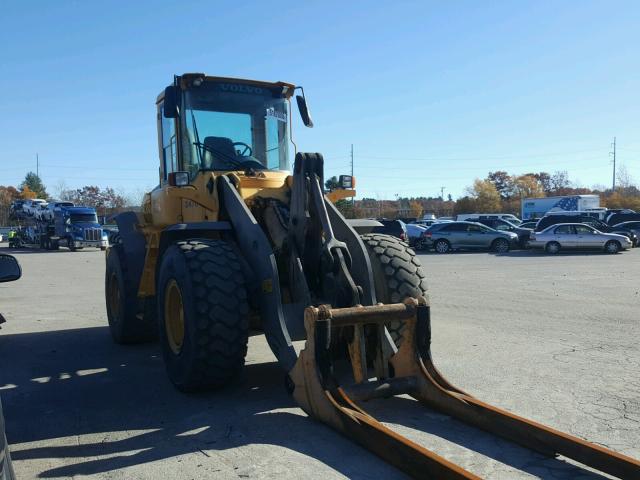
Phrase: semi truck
(71, 227)
(538, 207)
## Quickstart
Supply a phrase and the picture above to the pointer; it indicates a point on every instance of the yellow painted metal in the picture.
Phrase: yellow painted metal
(174, 316)
(340, 194)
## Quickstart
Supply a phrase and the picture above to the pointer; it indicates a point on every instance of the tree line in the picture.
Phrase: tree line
(499, 191)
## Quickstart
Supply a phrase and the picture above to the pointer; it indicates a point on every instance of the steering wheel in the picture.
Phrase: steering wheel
(246, 151)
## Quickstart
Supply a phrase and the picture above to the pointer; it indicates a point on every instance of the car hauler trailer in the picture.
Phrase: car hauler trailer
(71, 227)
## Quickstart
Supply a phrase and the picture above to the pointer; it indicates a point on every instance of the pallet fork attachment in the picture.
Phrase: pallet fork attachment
(317, 390)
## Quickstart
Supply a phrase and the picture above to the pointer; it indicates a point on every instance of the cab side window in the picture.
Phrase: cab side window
(169, 154)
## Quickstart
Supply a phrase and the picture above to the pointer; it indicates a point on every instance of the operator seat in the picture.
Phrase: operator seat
(219, 153)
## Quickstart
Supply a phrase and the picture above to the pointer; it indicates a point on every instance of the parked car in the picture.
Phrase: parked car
(48, 213)
(31, 206)
(529, 224)
(631, 227)
(505, 226)
(17, 208)
(577, 236)
(416, 235)
(397, 228)
(624, 216)
(444, 237)
(504, 216)
(586, 219)
(9, 271)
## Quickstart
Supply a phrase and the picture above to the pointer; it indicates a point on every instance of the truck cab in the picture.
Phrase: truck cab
(79, 227)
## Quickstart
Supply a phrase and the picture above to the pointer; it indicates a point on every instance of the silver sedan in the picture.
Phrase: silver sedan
(577, 236)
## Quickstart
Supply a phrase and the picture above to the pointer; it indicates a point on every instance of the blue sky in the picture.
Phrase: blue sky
(431, 94)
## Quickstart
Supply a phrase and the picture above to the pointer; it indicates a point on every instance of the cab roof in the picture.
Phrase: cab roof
(188, 77)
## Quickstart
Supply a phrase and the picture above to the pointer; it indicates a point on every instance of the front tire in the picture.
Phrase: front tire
(612, 246)
(397, 273)
(203, 314)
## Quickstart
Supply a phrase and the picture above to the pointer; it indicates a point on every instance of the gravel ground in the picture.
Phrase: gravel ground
(551, 338)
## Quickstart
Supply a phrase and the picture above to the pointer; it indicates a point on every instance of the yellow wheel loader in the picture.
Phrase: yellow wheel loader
(232, 240)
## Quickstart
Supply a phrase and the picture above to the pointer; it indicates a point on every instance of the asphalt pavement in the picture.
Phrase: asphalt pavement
(553, 338)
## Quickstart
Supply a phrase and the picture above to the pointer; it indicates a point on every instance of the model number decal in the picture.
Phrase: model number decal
(279, 116)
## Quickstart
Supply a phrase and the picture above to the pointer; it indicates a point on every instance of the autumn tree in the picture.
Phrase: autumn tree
(26, 193)
(486, 196)
(560, 182)
(503, 182)
(93, 196)
(528, 186)
(415, 207)
(34, 183)
(7, 196)
(465, 204)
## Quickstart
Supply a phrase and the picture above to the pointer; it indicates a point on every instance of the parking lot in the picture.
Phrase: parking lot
(553, 338)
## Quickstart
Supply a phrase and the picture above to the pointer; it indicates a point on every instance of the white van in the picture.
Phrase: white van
(504, 216)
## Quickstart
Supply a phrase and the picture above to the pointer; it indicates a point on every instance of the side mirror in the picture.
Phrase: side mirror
(9, 268)
(347, 181)
(170, 106)
(304, 111)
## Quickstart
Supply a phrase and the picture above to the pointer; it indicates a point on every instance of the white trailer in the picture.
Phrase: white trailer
(538, 207)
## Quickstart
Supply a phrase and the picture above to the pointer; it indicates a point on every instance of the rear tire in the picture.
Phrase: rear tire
(612, 246)
(123, 305)
(442, 246)
(203, 314)
(552, 247)
(397, 273)
(500, 245)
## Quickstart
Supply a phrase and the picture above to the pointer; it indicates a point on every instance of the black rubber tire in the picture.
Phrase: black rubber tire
(397, 273)
(442, 242)
(549, 248)
(70, 245)
(216, 314)
(103, 248)
(122, 314)
(612, 247)
(498, 245)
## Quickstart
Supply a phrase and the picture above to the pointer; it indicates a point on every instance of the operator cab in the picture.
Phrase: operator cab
(223, 124)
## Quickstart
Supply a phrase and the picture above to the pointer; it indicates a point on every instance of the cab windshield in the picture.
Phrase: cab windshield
(234, 126)
(84, 218)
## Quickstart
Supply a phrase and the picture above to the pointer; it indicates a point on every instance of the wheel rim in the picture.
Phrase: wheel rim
(442, 247)
(553, 248)
(114, 297)
(502, 246)
(174, 316)
(612, 248)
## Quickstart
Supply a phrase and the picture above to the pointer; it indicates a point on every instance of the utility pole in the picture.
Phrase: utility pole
(353, 199)
(442, 193)
(613, 188)
(37, 165)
